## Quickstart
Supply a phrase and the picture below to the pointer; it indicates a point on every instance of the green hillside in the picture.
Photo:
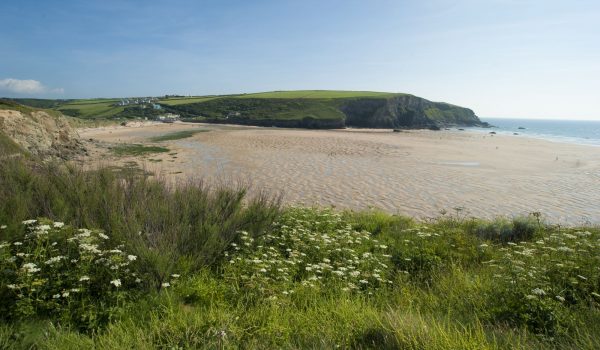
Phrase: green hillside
(299, 108)
(323, 109)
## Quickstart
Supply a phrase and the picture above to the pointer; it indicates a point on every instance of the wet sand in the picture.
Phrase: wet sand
(415, 173)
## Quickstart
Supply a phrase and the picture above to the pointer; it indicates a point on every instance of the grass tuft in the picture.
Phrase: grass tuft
(177, 135)
(137, 150)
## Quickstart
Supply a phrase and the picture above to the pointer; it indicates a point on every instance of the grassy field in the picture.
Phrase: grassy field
(295, 94)
(91, 109)
(317, 94)
(103, 259)
(185, 100)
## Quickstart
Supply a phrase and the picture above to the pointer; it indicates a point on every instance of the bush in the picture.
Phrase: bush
(80, 277)
(537, 281)
(422, 250)
(161, 223)
(503, 230)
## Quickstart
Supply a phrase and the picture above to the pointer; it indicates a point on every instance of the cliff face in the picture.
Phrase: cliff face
(405, 111)
(38, 132)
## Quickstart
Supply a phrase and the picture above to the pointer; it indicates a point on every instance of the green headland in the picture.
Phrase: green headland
(302, 108)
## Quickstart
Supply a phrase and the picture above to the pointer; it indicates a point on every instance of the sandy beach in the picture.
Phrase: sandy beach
(417, 173)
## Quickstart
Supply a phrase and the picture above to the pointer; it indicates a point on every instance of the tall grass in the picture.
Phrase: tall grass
(190, 223)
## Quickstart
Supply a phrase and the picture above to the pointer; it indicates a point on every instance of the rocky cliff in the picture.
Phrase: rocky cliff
(405, 111)
(35, 131)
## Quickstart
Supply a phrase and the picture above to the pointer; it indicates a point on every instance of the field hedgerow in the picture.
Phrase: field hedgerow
(55, 271)
(308, 249)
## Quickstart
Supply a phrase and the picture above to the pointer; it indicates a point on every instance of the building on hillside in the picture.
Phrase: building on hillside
(168, 117)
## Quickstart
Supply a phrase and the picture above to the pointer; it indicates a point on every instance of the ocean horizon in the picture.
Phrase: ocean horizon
(583, 132)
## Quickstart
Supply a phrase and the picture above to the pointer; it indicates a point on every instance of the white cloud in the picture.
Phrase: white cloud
(27, 86)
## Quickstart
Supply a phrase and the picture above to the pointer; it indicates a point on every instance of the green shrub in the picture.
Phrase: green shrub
(422, 250)
(160, 223)
(536, 282)
(503, 230)
(77, 276)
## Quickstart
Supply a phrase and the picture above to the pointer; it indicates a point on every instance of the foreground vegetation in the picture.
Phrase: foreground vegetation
(106, 259)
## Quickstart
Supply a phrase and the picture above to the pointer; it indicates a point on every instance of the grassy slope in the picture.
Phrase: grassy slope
(8, 146)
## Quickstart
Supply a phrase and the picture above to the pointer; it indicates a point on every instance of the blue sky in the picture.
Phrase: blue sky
(502, 58)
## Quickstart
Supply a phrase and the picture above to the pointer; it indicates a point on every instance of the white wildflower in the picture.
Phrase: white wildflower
(3, 227)
(559, 298)
(131, 257)
(29, 222)
(58, 224)
(165, 285)
(538, 291)
(43, 228)
(54, 260)
(92, 248)
(84, 232)
(175, 275)
(116, 283)
(84, 278)
(30, 268)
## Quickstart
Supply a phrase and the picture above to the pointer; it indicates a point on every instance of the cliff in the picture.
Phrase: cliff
(405, 111)
(36, 131)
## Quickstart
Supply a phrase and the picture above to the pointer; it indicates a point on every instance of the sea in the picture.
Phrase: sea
(583, 132)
